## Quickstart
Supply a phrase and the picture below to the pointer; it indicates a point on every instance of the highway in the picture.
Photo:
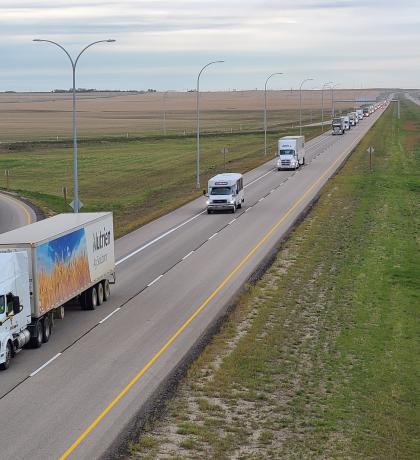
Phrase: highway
(14, 213)
(175, 276)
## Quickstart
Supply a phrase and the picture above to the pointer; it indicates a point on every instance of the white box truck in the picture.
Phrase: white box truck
(225, 192)
(46, 264)
(359, 113)
(346, 122)
(291, 152)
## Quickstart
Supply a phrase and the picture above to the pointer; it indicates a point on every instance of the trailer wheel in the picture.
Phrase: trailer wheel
(36, 341)
(107, 290)
(9, 354)
(91, 299)
(100, 292)
(46, 329)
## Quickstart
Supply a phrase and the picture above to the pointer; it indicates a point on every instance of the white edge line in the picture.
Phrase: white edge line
(106, 317)
(188, 255)
(231, 222)
(142, 248)
(214, 234)
(154, 281)
(261, 199)
(45, 365)
(248, 209)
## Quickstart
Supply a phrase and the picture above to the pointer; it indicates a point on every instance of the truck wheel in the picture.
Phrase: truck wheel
(107, 290)
(9, 353)
(36, 341)
(91, 298)
(46, 329)
(100, 292)
(209, 211)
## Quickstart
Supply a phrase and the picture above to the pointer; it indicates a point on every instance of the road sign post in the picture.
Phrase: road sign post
(225, 151)
(7, 174)
(370, 150)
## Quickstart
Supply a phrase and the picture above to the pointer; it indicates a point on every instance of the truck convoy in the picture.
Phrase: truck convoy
(225, 192)
(291, 152)
(46, 264)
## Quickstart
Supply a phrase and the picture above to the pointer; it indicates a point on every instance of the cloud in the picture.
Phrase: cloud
(316, 36)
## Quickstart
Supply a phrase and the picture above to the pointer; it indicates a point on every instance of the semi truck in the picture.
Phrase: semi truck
(46, 264)
(338, 126)
(346, 121)
(359, 113)
(291, 152)
(225, 192)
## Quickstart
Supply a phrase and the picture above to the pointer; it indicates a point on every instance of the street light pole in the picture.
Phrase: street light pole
(322, 104)
(198, 119)
(332, 100)
(300, 104)
(164, 112)
(265, 110)
(76, 202)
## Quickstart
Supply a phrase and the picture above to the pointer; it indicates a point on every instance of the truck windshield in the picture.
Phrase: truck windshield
(2, 304)
(287, 152)
(220, 191)
(337, 121)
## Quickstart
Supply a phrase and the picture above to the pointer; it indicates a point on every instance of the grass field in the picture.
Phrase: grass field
(137, 179)
(320, 358)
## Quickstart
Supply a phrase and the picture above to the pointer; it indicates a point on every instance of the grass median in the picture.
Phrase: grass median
(138, 179)
(320, 357)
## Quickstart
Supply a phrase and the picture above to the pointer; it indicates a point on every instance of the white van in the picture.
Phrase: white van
(291, 152)
(225, 191)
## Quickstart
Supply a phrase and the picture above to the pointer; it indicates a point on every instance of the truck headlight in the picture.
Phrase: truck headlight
(208, 202)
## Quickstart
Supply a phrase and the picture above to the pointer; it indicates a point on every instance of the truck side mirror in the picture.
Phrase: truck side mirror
(16, 305)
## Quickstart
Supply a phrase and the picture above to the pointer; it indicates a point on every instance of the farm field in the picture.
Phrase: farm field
(146, 174)
(319, 359)
(34, 116)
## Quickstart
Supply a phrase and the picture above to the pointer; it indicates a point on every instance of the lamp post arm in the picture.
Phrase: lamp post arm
(73, 64)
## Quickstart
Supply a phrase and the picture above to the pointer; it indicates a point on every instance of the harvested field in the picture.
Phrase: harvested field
(34, 116)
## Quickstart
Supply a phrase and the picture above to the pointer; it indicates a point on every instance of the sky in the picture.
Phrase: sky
(163, 44)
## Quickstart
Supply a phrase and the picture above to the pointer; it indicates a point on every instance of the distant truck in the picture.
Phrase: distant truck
(346, 121)
(225, 192)
(46, 264)
(338, 126)
(359, 113)
(352, 118)
(291, 152)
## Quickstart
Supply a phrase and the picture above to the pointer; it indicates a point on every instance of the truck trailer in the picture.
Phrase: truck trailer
(46, 264)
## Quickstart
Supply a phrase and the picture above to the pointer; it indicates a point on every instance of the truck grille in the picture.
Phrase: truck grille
(219, 201)
(285, 163)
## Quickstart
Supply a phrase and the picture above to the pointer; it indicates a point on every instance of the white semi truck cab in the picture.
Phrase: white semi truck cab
(15, 306)
(291, 152)
(46, 264)
(338, 126)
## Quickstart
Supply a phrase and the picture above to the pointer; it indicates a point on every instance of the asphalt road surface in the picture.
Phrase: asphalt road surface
(13, 214)
(175, 276)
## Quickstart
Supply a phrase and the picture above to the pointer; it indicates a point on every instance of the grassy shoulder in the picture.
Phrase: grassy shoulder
(320, 357)
(137, 179)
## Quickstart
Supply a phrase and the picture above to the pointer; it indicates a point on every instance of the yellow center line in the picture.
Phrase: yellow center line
(147, 366)
(20, 205)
